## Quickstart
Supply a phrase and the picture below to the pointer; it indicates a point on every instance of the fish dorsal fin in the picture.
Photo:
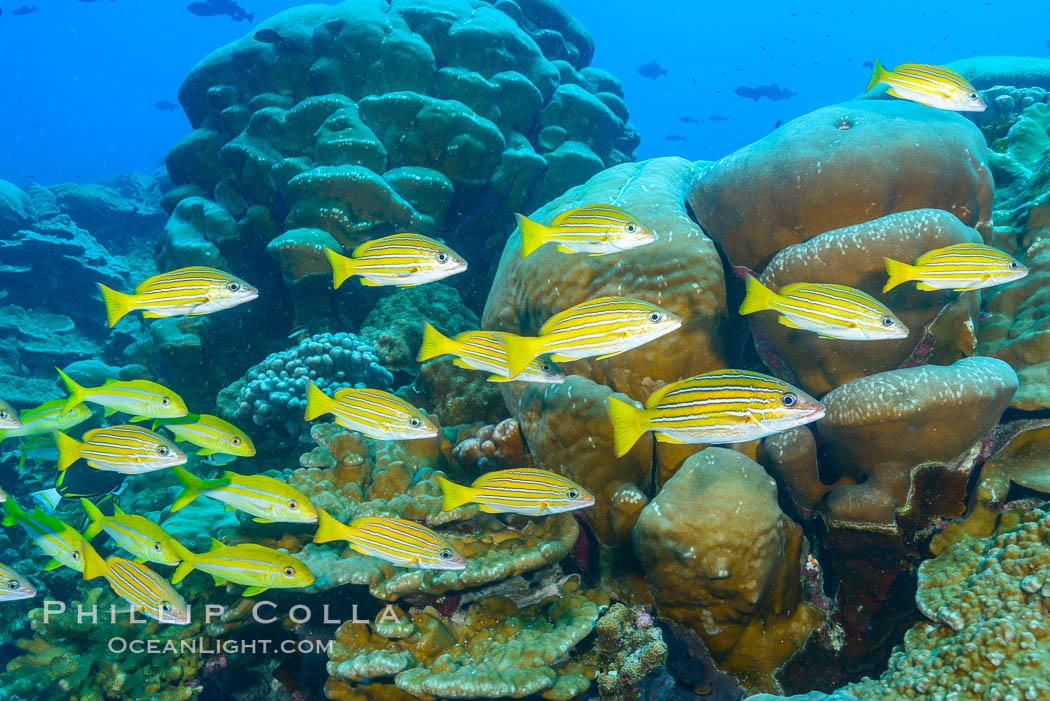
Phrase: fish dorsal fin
(215, 545)
(587, 209)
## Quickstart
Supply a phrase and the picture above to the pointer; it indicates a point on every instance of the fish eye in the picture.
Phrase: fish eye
(546, 367)
(165, 401)
(233, 286)
(165, 607)
(162, 450)
(414, 423)
(293, 505)
(887, 321)
(442, 257)
(573, 494)
(236, 440)
(1013, 266)
(13, 584)
(789, 399)
(3, 414)
(446, 554)
(76, 556)
(973, 96)
(630, 228)
(289, 571)
(655, 317)
(156, 545)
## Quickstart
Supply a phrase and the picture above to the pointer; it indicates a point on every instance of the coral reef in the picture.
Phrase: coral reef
(496, 650)
(274, 391)
(839, 166)
(492, 447)
(721, 558)
(629, 646)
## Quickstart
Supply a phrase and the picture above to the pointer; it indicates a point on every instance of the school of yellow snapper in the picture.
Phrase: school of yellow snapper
(726, 406)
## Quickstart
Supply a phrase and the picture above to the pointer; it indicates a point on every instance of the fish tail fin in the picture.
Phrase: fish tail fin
(317, 402)
(185, 561)
(251, 17)
(94, 565)
(328, 529)
(533, 234)
(76, 392)
(877, 75)
(342, 267)
(11, 512)
(453, 495)
(628, 424)
(68, 450)
(521, 350)
(757, 297)
(899, 273)
(434, 343)
(117, 304)
(192, 485)
(95, 515)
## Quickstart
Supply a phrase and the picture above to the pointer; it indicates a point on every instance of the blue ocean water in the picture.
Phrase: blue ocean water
(437, 359)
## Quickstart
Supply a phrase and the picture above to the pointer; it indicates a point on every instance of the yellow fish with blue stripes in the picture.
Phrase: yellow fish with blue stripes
(724, 406)
(140, 586)
(601, 327)
(13, 586)
(49, 416)
(596, 229)
(211, 434)
(138, 535)
(255, 566)
(8, 417)
(517, 491)
(56, 538)
(127, 449)
(373, 412)
(401, 259)
(192, 291)
(140, 398)
(268, 499)
(934, 86)
(833, 311)
(399, 541)
(962, 266)
(484, 350)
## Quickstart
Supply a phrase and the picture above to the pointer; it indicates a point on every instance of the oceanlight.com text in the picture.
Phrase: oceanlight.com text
(206, 646)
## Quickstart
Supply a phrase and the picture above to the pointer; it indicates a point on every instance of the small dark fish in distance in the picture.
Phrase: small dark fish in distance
(1048, 43)
(165, 105)
(718, 118)
(675, 137)
(211, 8)
(773, 92)
(691, 120)
(651, 70)
(202, 9)
(867, 64)
(780, 123)
(268, 36)
(25, 10)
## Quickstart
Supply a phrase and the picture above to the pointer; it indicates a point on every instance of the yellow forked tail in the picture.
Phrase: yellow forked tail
(317, 402)
(186, 563)
(192, 488)
(533, 234)
(117, 304)
(453, 494)
(95, 515)
(434, 343)
(94, 565)
(629, 424)
(342, 267)
(899, 274)
(877, 75)
(328, 529)
(68, 450)
(521, 350)
(76, 392)
(757, 297)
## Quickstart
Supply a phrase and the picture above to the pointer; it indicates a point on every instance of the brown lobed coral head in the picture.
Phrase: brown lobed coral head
(811, 176)
(722, 559)
(855, 256)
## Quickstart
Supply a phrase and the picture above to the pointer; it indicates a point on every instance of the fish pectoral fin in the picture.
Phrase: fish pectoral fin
(206, 451)
(751, 415)
(488, 509)
(135, 419)
(368, 283)
(155, 315)
(219, 581)
(667, 438)
(564, 249)
(607, 355)
(109, 411)
(925, 288)
(784, 321)
(460, 363)
(52, 565)
(257, 519)
(253, 591)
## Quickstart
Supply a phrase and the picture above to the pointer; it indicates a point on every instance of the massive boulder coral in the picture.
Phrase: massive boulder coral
(372, 117)
(566, 425)
(839, 166)
(723, 559)
(942, 324)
